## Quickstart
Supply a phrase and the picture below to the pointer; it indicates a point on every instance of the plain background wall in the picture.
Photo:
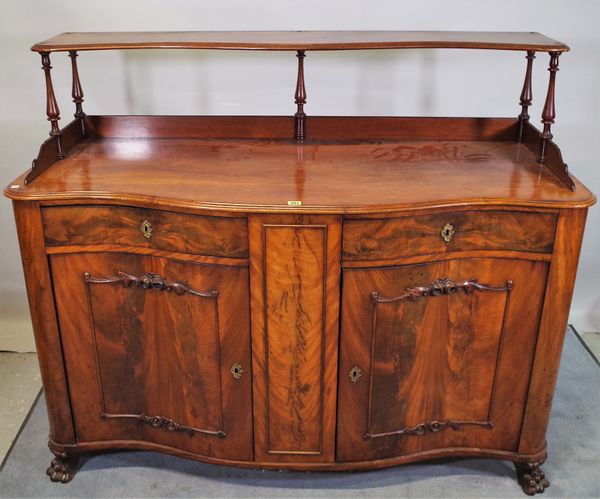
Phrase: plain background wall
(410, 82)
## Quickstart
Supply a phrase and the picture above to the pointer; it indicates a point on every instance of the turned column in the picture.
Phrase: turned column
(77, 91)
(52, 110)
(526, 94)
(549, 112)
(300, 116)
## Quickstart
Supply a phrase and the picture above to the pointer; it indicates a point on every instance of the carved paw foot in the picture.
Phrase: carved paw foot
(531, 478)
(62, 469)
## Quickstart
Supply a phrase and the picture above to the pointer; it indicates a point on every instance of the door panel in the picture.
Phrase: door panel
(157, 350)
(295, 321)
(294, 295)
(436, 355)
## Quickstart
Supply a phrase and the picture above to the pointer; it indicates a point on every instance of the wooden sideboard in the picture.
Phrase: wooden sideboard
(300, 292)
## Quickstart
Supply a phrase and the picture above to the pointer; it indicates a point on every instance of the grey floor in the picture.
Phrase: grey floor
(573, 465)
(592, 340)
(20, 383)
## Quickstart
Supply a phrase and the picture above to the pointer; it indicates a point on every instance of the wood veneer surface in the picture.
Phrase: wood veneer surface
(447, 357)
(327, 177)
(132, 351)
(300, 40)
(117, 225)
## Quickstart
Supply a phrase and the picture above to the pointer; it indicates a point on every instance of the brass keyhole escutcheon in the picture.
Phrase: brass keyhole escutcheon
(447, 233)
(237, 371)
(355, 374)
(146, 229)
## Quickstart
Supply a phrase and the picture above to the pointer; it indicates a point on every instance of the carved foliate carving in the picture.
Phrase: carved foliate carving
(440, 287)
(150, 280)
(430, 427)
(166, 423)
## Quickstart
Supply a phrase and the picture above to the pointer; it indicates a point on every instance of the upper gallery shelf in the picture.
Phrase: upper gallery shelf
(59, 145)
(300, 40)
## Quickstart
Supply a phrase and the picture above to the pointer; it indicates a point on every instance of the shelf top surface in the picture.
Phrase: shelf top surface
(329, 177)
(300, 40)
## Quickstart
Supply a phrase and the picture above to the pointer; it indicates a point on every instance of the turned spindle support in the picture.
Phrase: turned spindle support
(300, 116)
(52, 110)
(549, 112)
(77, 91)
(526, 94)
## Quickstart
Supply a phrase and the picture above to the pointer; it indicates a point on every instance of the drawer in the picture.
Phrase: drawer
(162, 230)
(365, 240)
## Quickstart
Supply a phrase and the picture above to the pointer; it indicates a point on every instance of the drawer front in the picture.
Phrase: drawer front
(365, 240)
(101, 225)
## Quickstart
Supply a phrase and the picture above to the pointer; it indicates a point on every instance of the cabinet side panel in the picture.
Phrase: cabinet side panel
(295, 276)
(555, 313)
(43, 317)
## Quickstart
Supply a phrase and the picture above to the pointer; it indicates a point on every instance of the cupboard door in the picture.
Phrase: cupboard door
(436, 355)
(157, 350)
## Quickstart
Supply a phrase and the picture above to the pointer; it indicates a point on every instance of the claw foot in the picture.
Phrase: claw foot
(62, 469)
(531, 478)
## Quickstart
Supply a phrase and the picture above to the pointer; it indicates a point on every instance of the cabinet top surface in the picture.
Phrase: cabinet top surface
(326, 177)
(300, 40)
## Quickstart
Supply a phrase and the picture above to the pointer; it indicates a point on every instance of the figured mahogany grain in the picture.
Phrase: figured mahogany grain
(332, 128)
(38, 280)
(101, 225)
(473, 230)
(437, 358)
(429, 257)
(250, 175)
(220, 341)
(300, 40)
(140, 250)
(131, 350)
(294, 295)
(295, 275)
(557, 302)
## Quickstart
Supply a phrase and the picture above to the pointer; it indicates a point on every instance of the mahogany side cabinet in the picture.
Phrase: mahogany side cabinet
(300, 292)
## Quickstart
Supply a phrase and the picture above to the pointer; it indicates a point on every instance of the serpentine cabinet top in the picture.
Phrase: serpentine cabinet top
(301, 162)
(300, 40)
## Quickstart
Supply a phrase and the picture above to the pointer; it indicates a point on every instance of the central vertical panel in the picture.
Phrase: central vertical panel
(295, 301)
(294, 288)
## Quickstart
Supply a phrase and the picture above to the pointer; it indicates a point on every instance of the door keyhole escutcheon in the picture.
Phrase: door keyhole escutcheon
(146, 229)
(447, 233)
(237, 371)
(355, 374)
